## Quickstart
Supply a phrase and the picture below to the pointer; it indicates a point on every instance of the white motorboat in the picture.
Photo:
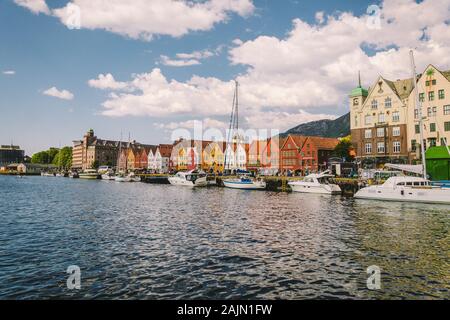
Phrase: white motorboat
(245, 183)
(134, 177)
(189, 179)
(406, 189)
(316, 183)
(122, 177)
(108, 176)
(91, 174)
(74, 175)
(47, 174)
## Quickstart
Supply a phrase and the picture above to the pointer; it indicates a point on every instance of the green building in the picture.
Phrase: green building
(438, 163)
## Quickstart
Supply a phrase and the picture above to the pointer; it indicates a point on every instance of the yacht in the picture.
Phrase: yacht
(122, 177)
(245, 183)
(73, 175)
(134, 177)
(316, 183)
(108, 176)
(189, 179)
(406, 189)
(91, 174)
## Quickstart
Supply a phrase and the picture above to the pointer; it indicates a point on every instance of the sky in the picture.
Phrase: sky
(149, 67)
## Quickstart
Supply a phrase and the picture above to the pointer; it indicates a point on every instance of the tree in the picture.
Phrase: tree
(95, 164)
(343, 149)
(40, 158)
(63, 158)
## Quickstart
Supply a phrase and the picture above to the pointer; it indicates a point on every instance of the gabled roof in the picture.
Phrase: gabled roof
(402, 88)
(324, 143)
(297, 139)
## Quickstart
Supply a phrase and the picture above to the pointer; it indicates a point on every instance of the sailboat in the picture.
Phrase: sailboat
(243, 182)
(409, 189)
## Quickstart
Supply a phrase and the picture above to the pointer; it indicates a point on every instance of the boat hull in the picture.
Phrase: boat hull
(88, 176)
(245, 185)
(311, 188)
(201, 182)
(434, 196)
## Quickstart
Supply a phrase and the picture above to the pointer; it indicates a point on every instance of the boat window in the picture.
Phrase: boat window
(416, 183)
(409, 183)
(401, 184)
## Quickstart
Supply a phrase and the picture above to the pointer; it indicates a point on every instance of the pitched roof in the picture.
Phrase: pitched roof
(402, 88)
(324, 143)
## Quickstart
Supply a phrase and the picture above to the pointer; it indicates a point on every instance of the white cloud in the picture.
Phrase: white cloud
(61, 94)
(189, 59)
(165, 60)
(143, 19)
(9, 72)
(105, 82)
(311, 69)
(189, 124)
(35, 6)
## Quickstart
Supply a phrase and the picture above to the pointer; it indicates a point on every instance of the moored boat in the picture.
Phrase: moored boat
(189, 179)
(108, 176)
(316, 183)
(122, 177)
(406, 189)
(245, 183)
(91, 174)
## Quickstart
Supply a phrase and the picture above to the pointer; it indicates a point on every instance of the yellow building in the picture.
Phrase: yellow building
(214, 157)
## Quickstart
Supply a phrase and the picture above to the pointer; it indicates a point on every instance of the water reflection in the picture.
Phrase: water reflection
(137, 241)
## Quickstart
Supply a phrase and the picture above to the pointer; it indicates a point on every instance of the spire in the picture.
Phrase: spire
(359, 79)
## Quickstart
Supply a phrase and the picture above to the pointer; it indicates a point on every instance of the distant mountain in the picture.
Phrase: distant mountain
(323, 128)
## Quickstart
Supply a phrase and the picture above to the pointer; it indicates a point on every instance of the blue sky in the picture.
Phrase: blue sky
(43, 53)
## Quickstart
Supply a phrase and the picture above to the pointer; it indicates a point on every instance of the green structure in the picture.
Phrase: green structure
(438, 163)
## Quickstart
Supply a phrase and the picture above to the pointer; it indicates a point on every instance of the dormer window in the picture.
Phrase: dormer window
(374, 104)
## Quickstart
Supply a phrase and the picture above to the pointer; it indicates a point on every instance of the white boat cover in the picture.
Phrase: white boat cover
(417, 169)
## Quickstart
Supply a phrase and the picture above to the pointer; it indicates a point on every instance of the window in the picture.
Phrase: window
(388, 103)
(432, 142)
(368, 148)
(374, 104)
(447, 126)
(427, 83)
(432, 127)
(396, 131)
(431, 96)
(421, 97)
(433, 82)
(397, 147)
(380, 132)
(432, 111)
(443, 141)
(447, 110)
(441, 94)
(355, 101)
(413, 145)
(356, 121)
(416, 113)
(368, 134)
(368, 119)
(417, 128)
(380, 147)
(381, 118)
(396, 116)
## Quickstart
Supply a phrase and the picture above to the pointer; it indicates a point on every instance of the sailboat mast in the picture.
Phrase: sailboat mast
(418, 107)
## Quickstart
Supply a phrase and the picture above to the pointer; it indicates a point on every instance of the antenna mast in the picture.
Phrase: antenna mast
(418, 107)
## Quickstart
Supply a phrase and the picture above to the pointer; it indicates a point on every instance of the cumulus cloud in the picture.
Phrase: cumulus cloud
(105, 82)
(35, 6)
(189, 59)
(310, 69)
(143, 19)
(9, 72)
(61, 94)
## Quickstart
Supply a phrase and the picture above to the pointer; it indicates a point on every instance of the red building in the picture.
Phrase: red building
(305, 154)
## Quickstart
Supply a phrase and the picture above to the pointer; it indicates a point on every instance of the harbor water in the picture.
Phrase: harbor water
(143, 241)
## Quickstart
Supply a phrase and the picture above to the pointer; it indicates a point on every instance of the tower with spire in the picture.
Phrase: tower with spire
(357, 97)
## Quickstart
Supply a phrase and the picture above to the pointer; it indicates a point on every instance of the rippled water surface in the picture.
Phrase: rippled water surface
(140, 241)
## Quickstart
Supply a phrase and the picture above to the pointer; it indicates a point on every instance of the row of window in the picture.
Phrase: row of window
(383, 148)
(433, 127)
(387, 103)
(382, 132)
(382, 118)
(431, 96)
